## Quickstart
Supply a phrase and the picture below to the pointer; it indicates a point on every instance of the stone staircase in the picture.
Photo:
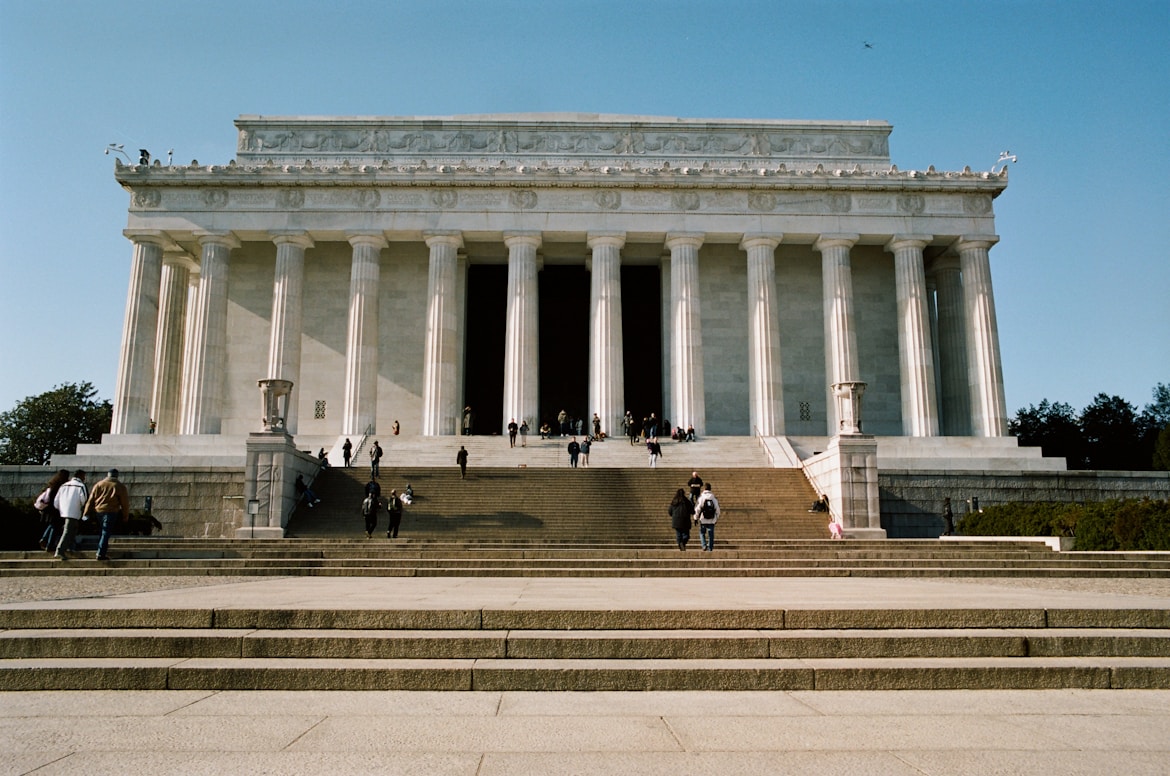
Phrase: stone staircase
(360, 628)
(567, 649)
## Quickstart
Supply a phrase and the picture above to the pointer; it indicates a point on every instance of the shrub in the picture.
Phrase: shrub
(1129, 524)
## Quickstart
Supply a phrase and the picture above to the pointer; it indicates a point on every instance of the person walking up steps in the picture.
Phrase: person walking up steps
(707, 514)
(461, 459)
(370, 513)
(655, 451)
(680, 511)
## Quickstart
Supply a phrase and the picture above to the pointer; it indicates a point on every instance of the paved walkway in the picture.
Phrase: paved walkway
(487, 733)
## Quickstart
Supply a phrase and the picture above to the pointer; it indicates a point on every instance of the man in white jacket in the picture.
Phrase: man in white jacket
(70, 502)
(706, 515)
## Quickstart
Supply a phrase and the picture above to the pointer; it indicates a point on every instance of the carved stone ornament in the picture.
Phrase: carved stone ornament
(977, 204)
(290, 199)
(608, 200)
(762, 201)
(144, 198)
(914, 204)
(685, 200)
(444, 198)
(524, 199)
(215, 198)
(367, 199)
(840, 203)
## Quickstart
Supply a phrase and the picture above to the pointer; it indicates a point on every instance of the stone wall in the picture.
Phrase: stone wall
(196, 503)
(911, 502)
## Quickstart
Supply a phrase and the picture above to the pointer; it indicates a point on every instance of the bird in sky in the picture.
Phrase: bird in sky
(868, 45)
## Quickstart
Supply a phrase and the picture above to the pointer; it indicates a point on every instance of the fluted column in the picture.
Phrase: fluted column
(361, 341)
(166, 401)
(440, 359)
(606, 351)
(132, 392)
(841, 365)
(984, 368)
(521, 344)
(687, 400)
(203, 374)
(765, 385)
(288, 294)
(915, 351)
(954, 395)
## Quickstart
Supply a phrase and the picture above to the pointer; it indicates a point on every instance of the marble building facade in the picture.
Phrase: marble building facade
(728, 273)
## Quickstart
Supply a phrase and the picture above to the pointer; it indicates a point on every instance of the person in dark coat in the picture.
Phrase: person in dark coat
(461, 459)
(680, 511)
(394, 508)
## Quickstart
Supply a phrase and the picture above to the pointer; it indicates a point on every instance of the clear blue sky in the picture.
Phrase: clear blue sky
(1079, 90)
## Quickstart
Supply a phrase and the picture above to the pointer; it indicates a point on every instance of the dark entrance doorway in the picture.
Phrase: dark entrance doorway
(483, 354)
(564, 343)
(642, 339)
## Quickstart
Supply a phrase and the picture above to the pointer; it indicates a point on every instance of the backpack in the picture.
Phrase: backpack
(708, 509)
(369, 506)
(42, 503)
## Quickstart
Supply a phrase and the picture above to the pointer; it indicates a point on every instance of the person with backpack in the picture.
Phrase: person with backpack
(394, 508)
(370, 506)
(50, 517)
(706, 515)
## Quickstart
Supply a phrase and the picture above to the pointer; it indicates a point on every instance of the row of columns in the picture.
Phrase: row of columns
(177, 307)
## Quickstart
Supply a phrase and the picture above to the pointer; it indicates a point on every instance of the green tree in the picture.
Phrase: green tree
(1156, 427)
(56, 421)
(1112, 432)
(1053, 427)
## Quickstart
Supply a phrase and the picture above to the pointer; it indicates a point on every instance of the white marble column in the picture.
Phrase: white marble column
(954, 395)
(765, 385)
(915, 351)
(841, 365)
(522, 338)
(288, 295)
(984, 368)
(687, 399)
(606, 351)
(135, 384)
(170, 346)
(207, 355)
(666, 316)
(440, 359)
(361, 341)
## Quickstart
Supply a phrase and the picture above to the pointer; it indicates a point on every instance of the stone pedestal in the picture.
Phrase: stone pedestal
(269, 494)
(857, 485)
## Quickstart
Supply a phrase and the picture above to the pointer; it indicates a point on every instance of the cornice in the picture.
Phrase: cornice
(141, 178)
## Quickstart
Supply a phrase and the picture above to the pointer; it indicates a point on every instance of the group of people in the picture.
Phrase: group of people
(699, 507)
(66, 502)
(373, 503)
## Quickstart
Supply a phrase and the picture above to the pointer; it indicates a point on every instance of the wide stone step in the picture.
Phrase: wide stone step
(503, 674)
(594, 645)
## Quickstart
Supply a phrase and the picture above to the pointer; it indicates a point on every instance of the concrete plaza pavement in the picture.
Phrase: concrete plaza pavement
(484, 733)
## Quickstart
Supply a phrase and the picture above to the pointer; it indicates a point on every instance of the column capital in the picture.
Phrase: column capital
(372, 239)
(226, 239)
(679, 239)
(944, 262)
(615, 239)
(918, 241)
(151, 237)
(835, 241)
(754, 239)
(177, 257)
(969, 241)
(522, 238)
(454, 238)
(298, 237)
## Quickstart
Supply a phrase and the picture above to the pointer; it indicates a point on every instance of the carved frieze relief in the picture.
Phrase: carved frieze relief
(977, 204)
(147, 198)
(608, 199)
(762, 201)
(523, 199)
(290, 199)
(840, 202)
(685, 200)
(216, 199)
(444, 198)
(914, 204)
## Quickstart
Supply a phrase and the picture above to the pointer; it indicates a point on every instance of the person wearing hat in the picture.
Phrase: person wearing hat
(110, 501)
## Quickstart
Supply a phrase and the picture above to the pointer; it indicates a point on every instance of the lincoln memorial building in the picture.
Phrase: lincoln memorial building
(782, 280)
